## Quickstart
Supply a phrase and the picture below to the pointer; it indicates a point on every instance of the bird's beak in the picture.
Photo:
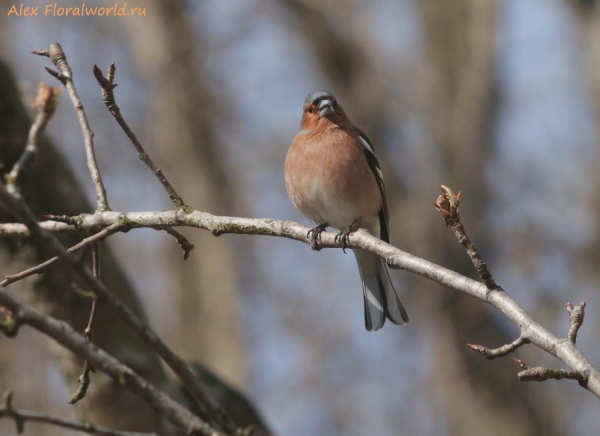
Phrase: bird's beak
(326, 108)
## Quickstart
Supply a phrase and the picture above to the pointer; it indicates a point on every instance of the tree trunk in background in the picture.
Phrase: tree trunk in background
(183, 114)
(49, 186)
(588, 16)
(587, 11)
(450, 91)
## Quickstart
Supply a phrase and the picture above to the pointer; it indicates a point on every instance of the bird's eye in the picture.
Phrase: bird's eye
(310, 110)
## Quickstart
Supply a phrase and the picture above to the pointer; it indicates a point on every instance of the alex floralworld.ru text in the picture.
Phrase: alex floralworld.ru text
(53, 10)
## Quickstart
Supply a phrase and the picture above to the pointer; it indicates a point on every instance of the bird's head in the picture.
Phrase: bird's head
(321, 108)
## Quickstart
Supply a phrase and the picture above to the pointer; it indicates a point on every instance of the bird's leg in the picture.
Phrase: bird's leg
(343, 237)
(315, 236)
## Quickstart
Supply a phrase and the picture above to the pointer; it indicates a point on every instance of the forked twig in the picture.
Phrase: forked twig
(106, 83)
(65, 75)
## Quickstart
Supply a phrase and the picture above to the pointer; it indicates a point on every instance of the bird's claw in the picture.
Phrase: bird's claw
(343, 238)
(315, 236)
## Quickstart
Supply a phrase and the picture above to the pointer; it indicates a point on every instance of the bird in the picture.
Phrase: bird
(333, 177)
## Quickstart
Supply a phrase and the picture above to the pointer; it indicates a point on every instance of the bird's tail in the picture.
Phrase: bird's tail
(381, 300)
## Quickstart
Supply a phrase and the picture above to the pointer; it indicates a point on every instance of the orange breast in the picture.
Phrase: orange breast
(329, 180)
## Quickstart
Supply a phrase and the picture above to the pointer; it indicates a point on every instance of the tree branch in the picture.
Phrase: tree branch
(84, 379)
(210, 410)
(539, 374)
(65, 75)
(395, 258)
(183, 242)
(45, 106)
(448, 204)
(38, 269)
(500, 351)
(22, 416)
(106, 83)
(122, 374)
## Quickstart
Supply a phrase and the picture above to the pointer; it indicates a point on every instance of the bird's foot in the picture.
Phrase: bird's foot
(343, 238)
(315, 236)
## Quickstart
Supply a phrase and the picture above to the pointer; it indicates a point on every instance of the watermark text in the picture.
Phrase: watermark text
(54, 10)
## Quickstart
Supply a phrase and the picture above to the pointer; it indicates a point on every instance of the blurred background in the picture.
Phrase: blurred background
(497, 99)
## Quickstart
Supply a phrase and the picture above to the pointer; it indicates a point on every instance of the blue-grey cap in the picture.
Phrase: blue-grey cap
(316, 96)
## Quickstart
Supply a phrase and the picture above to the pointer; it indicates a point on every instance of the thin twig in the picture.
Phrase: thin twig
(448, 204)
(106, 83)
(492, 353)
(207, 406)
(183, 242)
(84, 379)
(38, 269)
(45, 106)
(576, 315)
(65, 75)
(22, 416)
(539, 374)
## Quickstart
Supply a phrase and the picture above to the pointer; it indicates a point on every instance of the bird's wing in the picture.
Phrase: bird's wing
(384, 216)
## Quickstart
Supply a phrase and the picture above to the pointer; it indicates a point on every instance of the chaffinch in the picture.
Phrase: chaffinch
(333, 177)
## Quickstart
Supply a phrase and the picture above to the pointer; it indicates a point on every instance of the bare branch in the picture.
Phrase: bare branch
(22, 416)
(65, 75)
(448, 204)
(120, 373)
(45, 106)
(183, 242)
(492, 353)
(208, 407)
(84, 378)
(106, 83)
(38, 269)
(576, 315)
(539, 374)
(395, 258)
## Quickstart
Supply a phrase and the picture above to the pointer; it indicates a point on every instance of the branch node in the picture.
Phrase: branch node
(183, 242)
(56, 74)
(217, 231)
(186, 209)
(389, 261)
(540, 374)
(126, 223)
(7, 409)
(71, 220)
